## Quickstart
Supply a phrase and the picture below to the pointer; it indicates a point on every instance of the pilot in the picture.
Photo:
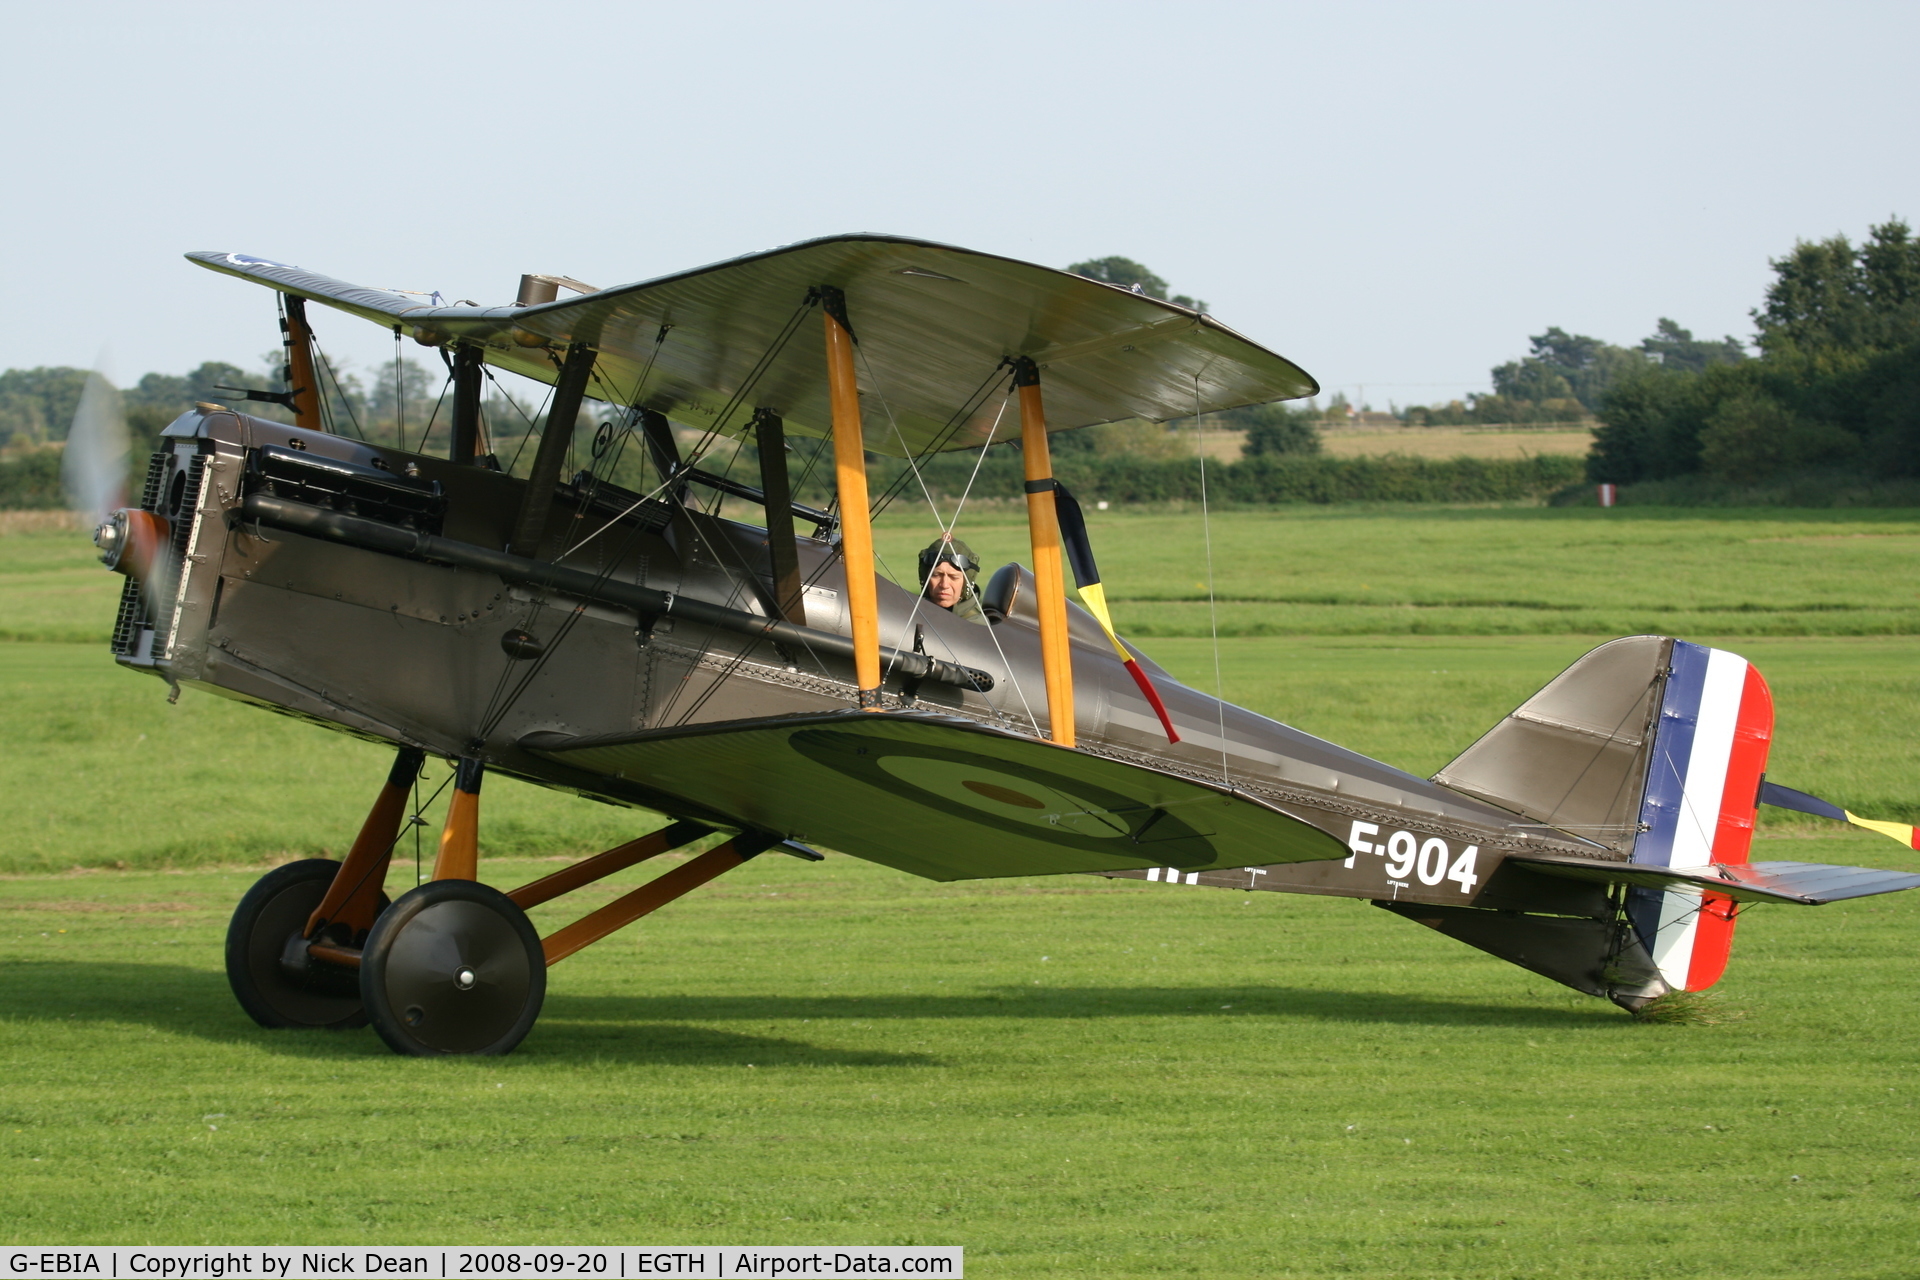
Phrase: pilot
(949, 577)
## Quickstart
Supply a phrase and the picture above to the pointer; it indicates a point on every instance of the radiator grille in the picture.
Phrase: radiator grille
(133, 605)
(170, 574)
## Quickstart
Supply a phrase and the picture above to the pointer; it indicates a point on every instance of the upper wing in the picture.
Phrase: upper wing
(947, 798)
(933, 322)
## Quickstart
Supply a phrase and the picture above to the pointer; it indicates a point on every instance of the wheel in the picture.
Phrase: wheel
(453, 967)
(269, 973)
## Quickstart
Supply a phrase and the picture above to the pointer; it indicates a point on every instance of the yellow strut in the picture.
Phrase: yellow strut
(850, 475)
(1049, 580)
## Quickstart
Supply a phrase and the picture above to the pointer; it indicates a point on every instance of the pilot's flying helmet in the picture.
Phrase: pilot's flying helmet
(952, 551)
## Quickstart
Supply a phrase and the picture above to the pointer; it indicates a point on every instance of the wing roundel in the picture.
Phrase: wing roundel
(947, 798)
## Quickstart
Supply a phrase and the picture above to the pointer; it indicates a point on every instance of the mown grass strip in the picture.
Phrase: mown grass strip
(1069, 1077)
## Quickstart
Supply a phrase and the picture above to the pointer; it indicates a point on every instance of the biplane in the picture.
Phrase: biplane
(759, 684)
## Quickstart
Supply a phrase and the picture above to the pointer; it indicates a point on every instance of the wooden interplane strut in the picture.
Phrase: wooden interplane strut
(850, 476)
(1043, 529)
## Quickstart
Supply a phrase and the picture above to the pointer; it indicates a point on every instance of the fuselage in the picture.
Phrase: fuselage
(463, 663)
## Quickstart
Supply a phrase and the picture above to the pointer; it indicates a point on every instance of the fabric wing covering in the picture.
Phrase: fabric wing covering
(933, 322)
(947, 798)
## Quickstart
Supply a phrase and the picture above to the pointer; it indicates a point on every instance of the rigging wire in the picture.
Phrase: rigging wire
(754, 374)
(498, 706)
(1213, 615)
(416, 822)
(968, 408)
(399, 396)
(496, 714)
(531, 429)
(339, 392)
(747, 573)
(1013, 677)
(946, 527)
(632, 404)
(435, 415)
(960, 416)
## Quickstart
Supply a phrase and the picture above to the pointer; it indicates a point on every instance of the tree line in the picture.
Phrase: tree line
(404, 405)
(1835, 389)
(1566, 377)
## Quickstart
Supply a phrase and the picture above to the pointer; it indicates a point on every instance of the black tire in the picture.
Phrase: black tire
(453, 967)
(271, 915)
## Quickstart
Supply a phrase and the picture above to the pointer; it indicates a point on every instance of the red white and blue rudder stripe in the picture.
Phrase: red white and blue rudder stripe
(1703, 784)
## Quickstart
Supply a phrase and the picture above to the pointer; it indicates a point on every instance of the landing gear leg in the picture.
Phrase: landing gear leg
(454, 966)
(315, 903)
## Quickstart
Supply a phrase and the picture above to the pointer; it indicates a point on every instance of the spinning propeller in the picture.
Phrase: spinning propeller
(94, 469)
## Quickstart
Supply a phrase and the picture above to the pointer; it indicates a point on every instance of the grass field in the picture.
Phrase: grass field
(1513, 571)
(1068, 1076)
(1348, 570)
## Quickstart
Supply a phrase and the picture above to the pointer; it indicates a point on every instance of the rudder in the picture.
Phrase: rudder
(1709, 752)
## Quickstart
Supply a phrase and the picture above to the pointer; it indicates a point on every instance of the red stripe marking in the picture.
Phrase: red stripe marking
(1752, 735)
(1159, 707)
(1733, 833)
(1712, 941)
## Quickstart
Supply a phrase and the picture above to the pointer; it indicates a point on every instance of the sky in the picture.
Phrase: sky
(1392, 195)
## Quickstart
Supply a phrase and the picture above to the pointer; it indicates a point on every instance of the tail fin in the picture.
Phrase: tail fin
(1574, 756)
(1702, 790)
(1654, 748)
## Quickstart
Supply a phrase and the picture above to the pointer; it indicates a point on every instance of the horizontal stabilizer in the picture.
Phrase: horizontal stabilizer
(1802, 883)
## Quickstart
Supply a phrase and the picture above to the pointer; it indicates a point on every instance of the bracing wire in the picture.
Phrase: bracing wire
(968, 407)
(530, 431)
(1213, 613)
(993, 635)
(705, 442)
(632, 404)
(435, 415)
(504, 698)
(416, 822)
(752, 379)
(953, 424)
(399, 395)
(339, 392)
